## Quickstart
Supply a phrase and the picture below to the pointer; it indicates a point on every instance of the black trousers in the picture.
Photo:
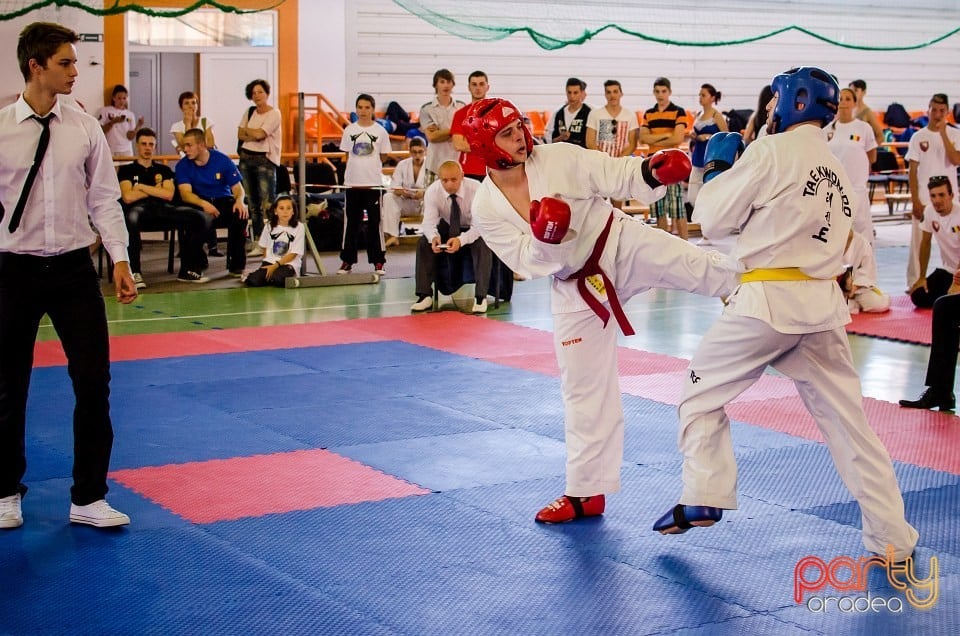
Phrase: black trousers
(236, 232)
(258, 277)
(938, 282)
(447, 270)
(154, 214)
(67, 289)
(357, 200)
(942, 365)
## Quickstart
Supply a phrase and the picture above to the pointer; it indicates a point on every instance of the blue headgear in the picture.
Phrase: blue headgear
(806, 93)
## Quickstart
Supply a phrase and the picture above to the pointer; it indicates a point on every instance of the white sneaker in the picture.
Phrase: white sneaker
(10, 514)
(138, 281)
(256, 250)
(99, 514)
(480, 307)
(423, 304)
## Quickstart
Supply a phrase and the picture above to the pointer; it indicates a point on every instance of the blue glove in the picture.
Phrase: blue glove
(722, 150)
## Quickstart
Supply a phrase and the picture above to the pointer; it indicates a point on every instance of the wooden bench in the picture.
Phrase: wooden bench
(894, 198)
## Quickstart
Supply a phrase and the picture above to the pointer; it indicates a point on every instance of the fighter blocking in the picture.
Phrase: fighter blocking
(723, 149)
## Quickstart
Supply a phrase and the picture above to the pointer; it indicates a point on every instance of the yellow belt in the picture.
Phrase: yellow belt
(774, 274)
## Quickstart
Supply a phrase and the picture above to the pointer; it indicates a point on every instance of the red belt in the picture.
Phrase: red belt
(592, 268)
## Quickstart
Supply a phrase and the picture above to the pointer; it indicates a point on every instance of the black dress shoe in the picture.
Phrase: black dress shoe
(930, 400)
(215, 253)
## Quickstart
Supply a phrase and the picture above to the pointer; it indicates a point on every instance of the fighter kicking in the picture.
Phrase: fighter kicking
(792, 203)
(543, 212)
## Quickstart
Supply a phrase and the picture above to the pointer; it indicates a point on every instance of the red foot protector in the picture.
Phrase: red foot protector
(229, 489)
(566, 509)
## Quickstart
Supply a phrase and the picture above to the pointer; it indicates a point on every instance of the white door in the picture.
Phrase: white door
(145, 92)
(223, 78)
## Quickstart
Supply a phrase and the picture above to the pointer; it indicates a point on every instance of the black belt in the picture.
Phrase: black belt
(32, 262)
(252, 153)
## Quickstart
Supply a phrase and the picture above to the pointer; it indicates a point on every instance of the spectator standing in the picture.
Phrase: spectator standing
(708, 122)
(757, 124)
(190, 107)
(259, 135)
(851, 141)
(613, 128)
(472, 165)
(119, 123)
(864, 113)
(569, 123)
(367, 145)
(436, 116)
(942, 363)
(664, 126)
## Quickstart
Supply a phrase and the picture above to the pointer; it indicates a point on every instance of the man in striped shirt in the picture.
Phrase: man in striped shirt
(664, 126)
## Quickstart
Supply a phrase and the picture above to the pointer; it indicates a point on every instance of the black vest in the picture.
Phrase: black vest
(576, 127)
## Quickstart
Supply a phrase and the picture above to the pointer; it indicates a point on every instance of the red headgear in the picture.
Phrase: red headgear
(483, 121)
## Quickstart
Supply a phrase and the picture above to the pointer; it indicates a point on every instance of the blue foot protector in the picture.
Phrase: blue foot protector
(681, 518)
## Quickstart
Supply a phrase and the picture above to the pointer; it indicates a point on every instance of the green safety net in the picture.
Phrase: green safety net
(554, 24)
(10, 9)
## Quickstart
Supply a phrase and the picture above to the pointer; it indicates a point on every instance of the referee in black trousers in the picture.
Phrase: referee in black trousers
(56, 171)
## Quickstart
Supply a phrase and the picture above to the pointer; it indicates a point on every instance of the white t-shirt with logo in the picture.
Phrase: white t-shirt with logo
(850, 143)
(117, 135)
(946, 231)
(364, 145)
(926, 148)
(279, 241)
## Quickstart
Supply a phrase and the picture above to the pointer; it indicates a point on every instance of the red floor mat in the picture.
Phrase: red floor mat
(227, 489)
(903, 322)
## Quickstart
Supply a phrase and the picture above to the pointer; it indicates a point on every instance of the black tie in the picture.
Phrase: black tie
(32, 175)
(454, 216)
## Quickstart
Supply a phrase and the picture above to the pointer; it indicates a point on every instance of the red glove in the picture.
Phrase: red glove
(549, 219)
(670, 166)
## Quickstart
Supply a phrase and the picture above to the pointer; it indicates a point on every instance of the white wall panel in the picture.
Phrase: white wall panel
(393, 54)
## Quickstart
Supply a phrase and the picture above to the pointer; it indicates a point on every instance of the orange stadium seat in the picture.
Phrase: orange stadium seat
(538, 122)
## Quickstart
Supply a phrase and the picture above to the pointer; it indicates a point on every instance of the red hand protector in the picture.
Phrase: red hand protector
(549, 219)
(670, 166)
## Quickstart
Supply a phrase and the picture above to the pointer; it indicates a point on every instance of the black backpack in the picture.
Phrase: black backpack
(737, 119)
(896, 116)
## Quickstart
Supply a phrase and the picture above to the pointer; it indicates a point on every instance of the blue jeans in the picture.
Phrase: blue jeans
(260, 182)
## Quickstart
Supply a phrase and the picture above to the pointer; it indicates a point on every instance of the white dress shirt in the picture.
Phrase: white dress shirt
(76, 181)
(436, 206)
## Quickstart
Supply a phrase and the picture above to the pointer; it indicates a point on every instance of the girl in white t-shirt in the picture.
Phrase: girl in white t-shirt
(190, 106)
(366, 144)
(852, 142)
(283, 244)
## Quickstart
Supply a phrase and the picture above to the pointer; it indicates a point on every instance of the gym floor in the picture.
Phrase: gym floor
(320, 461)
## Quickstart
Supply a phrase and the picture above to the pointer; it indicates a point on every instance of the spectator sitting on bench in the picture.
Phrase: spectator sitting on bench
(448, 233)
(146, 193)
(207, 179)
(405, 196)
